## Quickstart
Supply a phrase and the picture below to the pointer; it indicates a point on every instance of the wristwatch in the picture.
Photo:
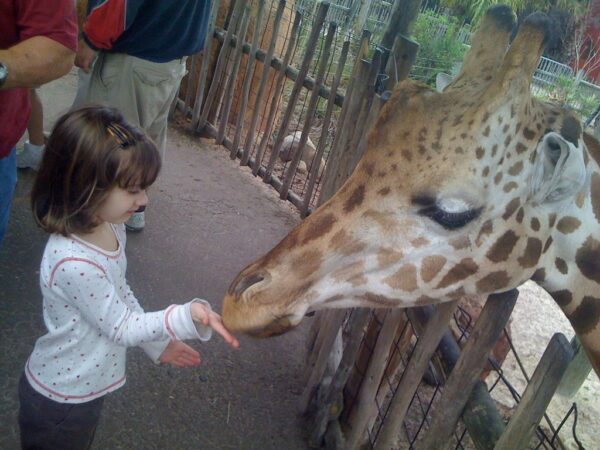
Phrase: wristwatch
(3, 74)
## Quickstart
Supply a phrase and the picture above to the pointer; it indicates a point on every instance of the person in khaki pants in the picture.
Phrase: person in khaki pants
(135, 52)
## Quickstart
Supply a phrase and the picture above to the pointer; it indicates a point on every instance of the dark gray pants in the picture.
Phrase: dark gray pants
(49, 425)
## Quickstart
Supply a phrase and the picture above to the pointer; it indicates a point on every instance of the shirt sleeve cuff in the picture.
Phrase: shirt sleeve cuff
(88, 42)
(154, 349)
(180, 326)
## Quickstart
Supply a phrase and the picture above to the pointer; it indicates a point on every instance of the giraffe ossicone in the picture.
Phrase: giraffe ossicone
(470, 191)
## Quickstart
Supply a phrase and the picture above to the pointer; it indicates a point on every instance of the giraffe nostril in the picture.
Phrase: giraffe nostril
(246, 281)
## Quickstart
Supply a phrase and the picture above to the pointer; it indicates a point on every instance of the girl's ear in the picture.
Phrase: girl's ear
(559, 170)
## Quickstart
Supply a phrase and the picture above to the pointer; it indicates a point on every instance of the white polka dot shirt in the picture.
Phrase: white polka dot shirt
(92, 317)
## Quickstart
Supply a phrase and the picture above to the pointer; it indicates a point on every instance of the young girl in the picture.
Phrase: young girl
(93, 176)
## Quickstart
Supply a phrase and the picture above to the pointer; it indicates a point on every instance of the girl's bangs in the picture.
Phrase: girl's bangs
(139, 165)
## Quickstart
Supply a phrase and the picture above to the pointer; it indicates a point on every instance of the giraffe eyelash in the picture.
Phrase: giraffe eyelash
(450, 220)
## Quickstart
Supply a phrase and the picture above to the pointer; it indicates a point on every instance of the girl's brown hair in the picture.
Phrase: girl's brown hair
(90, 151)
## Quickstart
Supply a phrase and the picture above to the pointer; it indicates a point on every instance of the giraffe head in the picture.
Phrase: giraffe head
(458, 193)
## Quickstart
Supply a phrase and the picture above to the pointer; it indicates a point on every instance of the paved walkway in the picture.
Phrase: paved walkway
(206, 220)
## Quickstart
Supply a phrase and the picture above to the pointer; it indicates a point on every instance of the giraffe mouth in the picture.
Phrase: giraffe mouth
(277, 327)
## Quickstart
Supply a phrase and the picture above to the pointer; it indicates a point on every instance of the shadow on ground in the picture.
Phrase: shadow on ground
(206, 220)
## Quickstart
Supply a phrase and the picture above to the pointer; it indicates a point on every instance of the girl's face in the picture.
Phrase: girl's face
(121, 204)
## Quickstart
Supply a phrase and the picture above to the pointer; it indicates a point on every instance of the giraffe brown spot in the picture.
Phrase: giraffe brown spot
(568, 224)
(551, 219)
(508, 140)
(562, 298)
(580, 200)
(381, 174)
(388, 256)
(369, 168)
(588, 259)
(424, 300)
(498, 178)
(520, 215)
(510, 186)
(521, 148)
(561, 265)
(518, 127)
(529, 134)
(345, 273)
(479, 152)
(431, 266)
(535, 224)
(385, 222)
(486, 171)
(539, 275)
(547, 244)
(532, 253)
(493, 282)
(460, 242)
(494, 150)
(316, 226)
(486, 115)
(346, 244)
(407, 154)
(307, 263)
(511, 208)
(378, 300)
(486, 132)
(405, 278)
(516, 169)
(586, 316)
(457, 293)
(384, 191)
(358, 280)
(464, 269)
(486, 229)
(355, 199)
(503, 247)
(419, 242)
(595, 195)
(571, 130)
(505, 128)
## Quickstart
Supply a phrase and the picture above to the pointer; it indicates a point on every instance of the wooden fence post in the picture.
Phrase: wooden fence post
(537, 395)
(466, 373)
(250, 62)
(413, 373)
(311, 46)
(310, 113)
(231, 79)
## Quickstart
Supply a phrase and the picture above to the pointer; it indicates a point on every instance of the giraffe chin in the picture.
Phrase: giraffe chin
(275, 328)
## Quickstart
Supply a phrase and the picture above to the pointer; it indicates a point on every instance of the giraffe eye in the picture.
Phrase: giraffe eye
(450, 220)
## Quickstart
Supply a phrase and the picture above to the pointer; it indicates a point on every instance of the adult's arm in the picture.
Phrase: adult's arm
(35, 61)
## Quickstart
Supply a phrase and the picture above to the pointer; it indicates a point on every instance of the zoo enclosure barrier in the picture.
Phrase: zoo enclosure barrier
(271, 72)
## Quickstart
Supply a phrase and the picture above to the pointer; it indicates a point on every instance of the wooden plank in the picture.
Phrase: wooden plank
(333, 179)
(366, 406)
(417, 365)
(401, 59)
(578, 371)
(222, 61)
(205, 64)
(233, 74)
(465, 374)
(263, 82)
(310, 112)
(314, 171)
(318, 365)
(289, 71)
(248, 77)
(309, 53)
(281, 75)
(325, 406)
(537, 395)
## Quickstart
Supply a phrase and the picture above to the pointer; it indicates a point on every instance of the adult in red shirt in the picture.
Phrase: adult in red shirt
(38, 40)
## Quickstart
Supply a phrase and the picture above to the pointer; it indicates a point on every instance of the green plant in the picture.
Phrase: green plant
(439, 47)
(566, 92)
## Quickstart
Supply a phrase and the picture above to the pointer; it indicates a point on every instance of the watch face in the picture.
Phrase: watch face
(3, 73)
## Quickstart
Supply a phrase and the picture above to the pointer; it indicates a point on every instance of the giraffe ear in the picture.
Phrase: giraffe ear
(559, 169)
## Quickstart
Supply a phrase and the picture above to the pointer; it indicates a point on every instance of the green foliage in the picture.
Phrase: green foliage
(473, 10)
(566, 92)
(439, 47)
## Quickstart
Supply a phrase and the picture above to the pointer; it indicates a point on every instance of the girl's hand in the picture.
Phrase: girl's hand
(179, 354)
(204, 315)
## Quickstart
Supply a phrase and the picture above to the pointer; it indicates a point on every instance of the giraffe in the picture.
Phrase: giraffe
(470, 191)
